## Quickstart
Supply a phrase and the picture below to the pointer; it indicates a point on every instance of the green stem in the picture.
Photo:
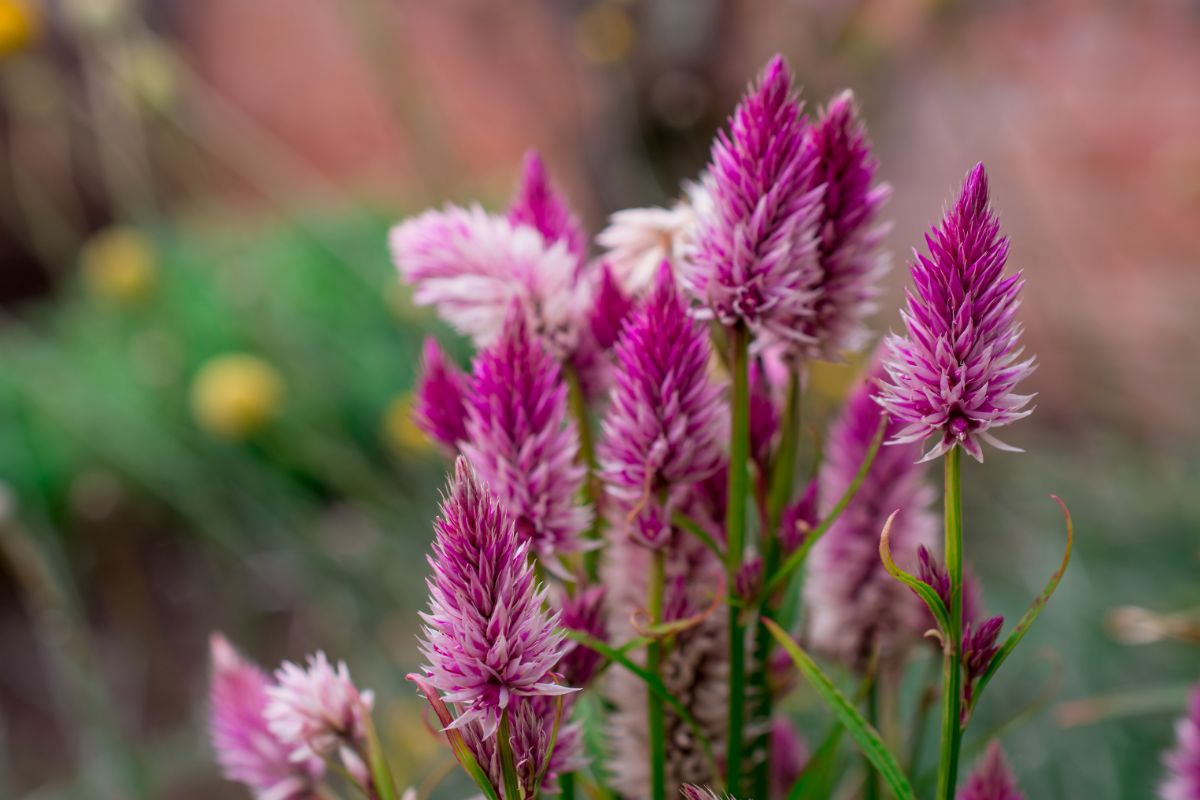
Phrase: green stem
(783, 470)
(512, 788)
(654, 657)
(587, 454)
(566, 785)
(735, 528)
(951, 666)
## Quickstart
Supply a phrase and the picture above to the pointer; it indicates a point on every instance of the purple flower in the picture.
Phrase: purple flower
(583, 612)
(798, 520)
(665, 424)
(755, 258)
(538, 206)
(855, 606)
(692, 792)
(317, 710)
(473, 266)
(610, 310)
(1183, 763)
(487, 638)
(954, 373)
(531, 721)
(992, 779)
(849, 234)
(523, 444)
(439, 403)
(246, 749)
(789, 755)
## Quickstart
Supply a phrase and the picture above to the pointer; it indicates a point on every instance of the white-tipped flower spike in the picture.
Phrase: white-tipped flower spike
(317, 710)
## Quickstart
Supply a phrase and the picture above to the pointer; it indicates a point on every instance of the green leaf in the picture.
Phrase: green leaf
(926, 592)
(816, 781)
(1035, 609)
(860, 730)
(654, 684)
(461, 751)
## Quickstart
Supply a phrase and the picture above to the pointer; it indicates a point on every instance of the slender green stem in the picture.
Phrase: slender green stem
(735, 531)
(566, 786)
(587, 454)
(508, 765)
(654, 657)
(783, 470)
(871, 790)
(951, 667)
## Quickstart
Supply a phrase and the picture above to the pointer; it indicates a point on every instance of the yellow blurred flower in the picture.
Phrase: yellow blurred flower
(399, 430)
(604, 33)
(18, 26)
(119, 264)
(235, 395)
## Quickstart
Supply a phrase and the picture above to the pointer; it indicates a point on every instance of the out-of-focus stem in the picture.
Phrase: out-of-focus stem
(587, 454)
(735, 528)
(951, 666)
(871, 789)
(783, 469)
(508, 766)
(654, 656)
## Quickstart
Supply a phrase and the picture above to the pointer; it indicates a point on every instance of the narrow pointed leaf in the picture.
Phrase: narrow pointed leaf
(860, 730)
(926, 592)
(457, 743)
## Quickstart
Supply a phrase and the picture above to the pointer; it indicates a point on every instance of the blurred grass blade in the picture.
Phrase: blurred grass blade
(1035, 609)
(858, 728)
(816, 781)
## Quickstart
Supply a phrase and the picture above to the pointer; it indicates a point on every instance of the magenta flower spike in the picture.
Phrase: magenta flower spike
(247, 750)
(755, 257)
(487, 638)
(1183, 763)
(851, 263)
(538, 206)
(317, 710)
(665, 423)
(992, 779)
(954, 372)
(472, 266)
(584, 612)
(854, 605)
(439, 402)
(523, 443)
(611, 308)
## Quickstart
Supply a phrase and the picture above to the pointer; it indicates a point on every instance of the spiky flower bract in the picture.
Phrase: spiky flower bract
(664, 427)
(609, 310)
(1183, 762)
(487, 637)
(473, 266)
(316, 709)
(523, 443)
(992, 779)
(693, 792)
(755, 257)
(849, 233)
(855, 607)
(538, 206)
(954, 372)
(439, 401)
(583, 611)
(531, 721)
(247, 751)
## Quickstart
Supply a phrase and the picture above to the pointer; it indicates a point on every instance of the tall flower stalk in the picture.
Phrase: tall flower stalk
(952, 376)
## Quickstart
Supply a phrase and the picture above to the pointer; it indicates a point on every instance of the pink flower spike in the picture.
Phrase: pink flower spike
(247, 751)
(439, 405)
(954, 372)
(1183, 763)
(755, 260)
(317, 710)
(991, 779)
(487, 638)
(538, 206)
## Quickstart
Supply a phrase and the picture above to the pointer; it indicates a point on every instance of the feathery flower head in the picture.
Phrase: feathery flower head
(523, 443)
(439, 402)
(664, 427)
(848, 232)
(1183, 763)
(540, 207)
(246, 749)
(316, 710)
(487, 638)
(472, 266)
(992, 779)
(954, 372)
(854, 604)
(755, 257)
